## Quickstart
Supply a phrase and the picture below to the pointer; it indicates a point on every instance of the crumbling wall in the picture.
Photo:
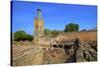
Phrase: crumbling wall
(87, 52)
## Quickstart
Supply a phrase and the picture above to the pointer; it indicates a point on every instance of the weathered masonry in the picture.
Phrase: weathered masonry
(38, 27)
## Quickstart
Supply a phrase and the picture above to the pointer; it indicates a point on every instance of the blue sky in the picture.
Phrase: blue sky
(55, 16)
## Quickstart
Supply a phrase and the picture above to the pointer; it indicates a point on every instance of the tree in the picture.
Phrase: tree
(47, 32)
(29, 37)
(21, 35)
(71, 27)
(55, 32)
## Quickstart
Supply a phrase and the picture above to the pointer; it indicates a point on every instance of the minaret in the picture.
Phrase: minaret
(39, 15)
(39, 26)
(39, 32)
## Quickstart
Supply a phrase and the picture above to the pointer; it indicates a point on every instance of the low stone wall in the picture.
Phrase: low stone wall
(83, 36)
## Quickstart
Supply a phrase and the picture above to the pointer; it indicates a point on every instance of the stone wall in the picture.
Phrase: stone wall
(83, 36)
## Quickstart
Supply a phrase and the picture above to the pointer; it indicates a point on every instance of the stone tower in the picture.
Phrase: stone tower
(39, 27)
